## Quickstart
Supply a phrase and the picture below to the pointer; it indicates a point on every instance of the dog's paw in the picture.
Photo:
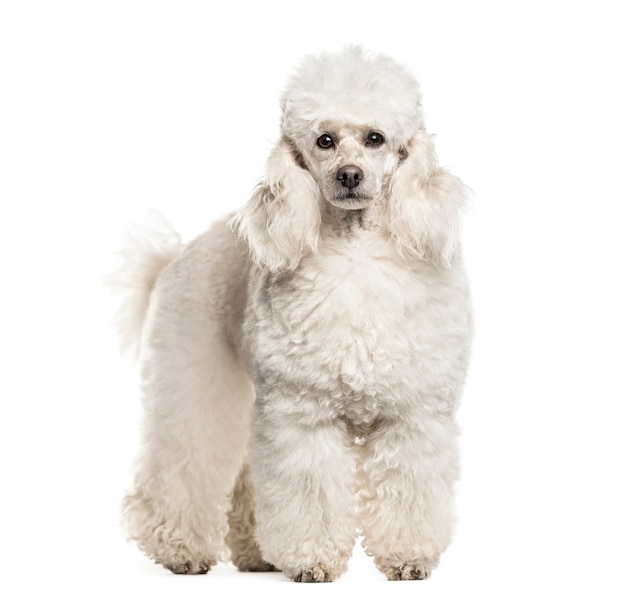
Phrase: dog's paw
(408, 571)
(248, 558)
(318, 573)
(188, 567)
(255, 566)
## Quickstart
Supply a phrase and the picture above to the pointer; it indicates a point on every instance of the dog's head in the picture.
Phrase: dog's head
(348, 118)
(352, 135)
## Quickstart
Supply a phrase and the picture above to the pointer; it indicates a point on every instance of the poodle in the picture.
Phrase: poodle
(302, 360)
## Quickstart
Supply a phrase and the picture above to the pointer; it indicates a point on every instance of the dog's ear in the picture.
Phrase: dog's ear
(425, 204)
(281, 221)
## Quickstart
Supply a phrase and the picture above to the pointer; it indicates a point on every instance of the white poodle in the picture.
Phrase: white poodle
(302, 362)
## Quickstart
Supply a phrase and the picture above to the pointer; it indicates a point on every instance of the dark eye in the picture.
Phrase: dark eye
(325, 141)
(375, 138)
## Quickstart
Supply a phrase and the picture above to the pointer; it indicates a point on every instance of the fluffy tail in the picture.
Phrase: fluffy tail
(149, 247)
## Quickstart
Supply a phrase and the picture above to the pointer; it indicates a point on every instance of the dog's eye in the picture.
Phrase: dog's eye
(325, 141)
(375, 138)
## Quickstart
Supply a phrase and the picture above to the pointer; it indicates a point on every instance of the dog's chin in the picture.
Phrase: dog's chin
(350, 202)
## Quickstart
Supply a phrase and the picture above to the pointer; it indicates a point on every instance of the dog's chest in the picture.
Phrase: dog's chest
(347, 324)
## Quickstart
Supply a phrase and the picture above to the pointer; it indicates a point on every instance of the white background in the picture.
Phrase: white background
(109, 108)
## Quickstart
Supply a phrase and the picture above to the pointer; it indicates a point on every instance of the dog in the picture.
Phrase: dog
(302, 361)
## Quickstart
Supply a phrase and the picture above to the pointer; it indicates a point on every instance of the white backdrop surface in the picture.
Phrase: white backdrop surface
(110, 108)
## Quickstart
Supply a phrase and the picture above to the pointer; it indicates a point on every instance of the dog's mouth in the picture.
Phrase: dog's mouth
(350, 200)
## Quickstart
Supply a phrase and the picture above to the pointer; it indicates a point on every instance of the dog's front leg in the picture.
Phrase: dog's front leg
(408, 472)
(303, 477)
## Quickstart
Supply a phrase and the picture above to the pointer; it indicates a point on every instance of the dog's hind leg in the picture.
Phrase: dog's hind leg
(245, 552)
(195, 436)
(185, 305)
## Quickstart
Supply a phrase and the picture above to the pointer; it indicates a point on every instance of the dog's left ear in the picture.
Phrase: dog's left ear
(425, 204)
(281, 221)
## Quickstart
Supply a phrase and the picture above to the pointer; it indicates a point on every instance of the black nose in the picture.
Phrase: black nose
(350, 176)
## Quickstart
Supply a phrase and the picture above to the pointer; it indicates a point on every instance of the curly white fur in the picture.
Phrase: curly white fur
(330, 318)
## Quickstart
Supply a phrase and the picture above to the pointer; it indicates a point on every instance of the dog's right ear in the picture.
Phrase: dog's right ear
(281, 221)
